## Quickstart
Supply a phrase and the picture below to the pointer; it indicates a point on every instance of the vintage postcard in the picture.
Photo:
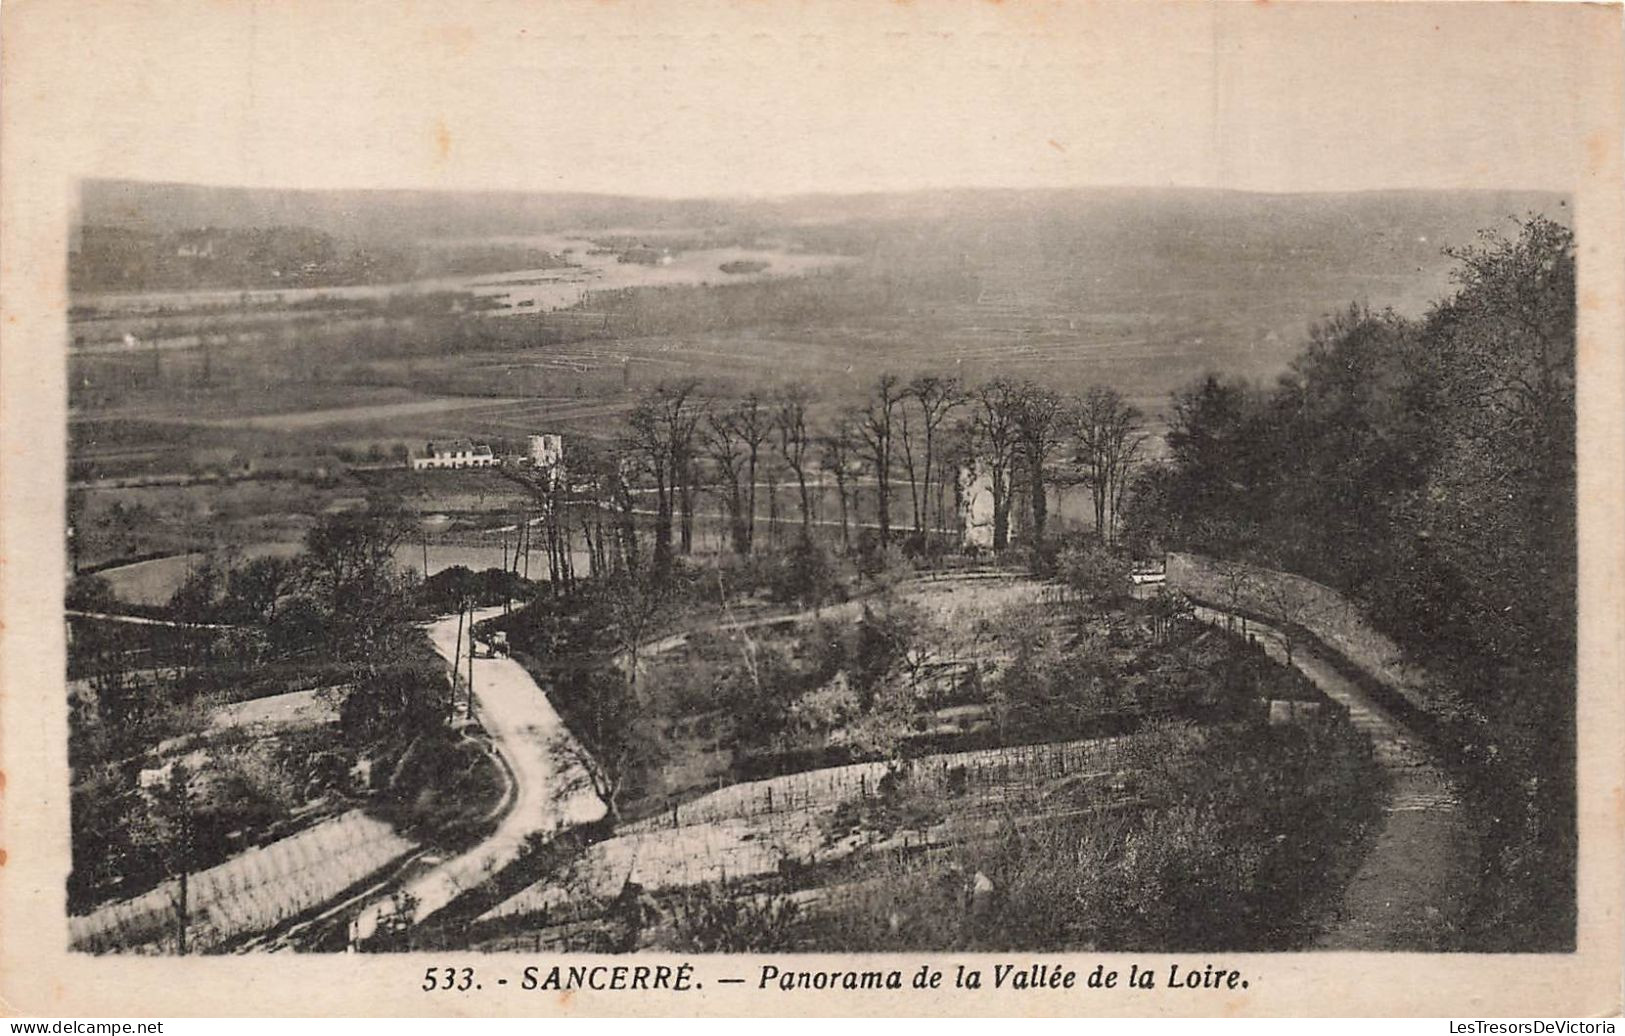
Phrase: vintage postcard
(766, 508)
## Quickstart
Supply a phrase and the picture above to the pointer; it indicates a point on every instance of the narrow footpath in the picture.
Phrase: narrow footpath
(1413, 880)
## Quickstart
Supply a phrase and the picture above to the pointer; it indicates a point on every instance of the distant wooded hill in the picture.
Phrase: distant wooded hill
(1331, 223)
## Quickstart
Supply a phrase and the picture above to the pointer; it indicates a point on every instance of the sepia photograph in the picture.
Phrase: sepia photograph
(922, 570)
(1092, 480)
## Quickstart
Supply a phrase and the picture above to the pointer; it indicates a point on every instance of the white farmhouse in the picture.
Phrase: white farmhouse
(459, 453)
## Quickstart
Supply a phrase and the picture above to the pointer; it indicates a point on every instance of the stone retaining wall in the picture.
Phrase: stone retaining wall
(1324, 612)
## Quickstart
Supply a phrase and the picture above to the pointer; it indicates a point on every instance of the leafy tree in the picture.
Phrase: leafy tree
(350, 559)
(166, 825)
(1213, 458)
(396, 702)
(299, 626)
(1427, 468)
(254, 588)
(195, 600)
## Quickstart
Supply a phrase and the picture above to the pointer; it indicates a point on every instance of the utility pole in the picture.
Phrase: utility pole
(507, 567)
(527, 543)
(180, 916)
(456, 660)
(172, 808)
(470, 664)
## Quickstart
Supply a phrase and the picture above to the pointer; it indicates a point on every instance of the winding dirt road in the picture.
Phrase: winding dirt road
(525, 731)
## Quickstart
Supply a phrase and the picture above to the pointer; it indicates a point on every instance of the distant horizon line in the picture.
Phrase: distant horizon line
(831, 194)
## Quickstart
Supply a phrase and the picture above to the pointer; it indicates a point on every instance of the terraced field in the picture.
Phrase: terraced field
(249, 893)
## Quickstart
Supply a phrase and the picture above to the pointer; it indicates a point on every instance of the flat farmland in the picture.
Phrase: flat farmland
(504, 424)
(376, 413)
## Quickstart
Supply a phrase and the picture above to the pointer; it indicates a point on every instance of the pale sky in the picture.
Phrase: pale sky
(770, 97)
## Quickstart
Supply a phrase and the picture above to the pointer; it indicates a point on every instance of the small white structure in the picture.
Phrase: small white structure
(158, 778)
(1150, 573)
(547, 455)
(459, 453)
(547, 451)
(976, 507)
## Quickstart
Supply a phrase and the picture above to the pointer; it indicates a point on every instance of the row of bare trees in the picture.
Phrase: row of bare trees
(930, 431)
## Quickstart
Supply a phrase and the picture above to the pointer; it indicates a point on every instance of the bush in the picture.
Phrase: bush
(1094, 573)
(762, 693)
(708, 919)
(885, 633)
(442, 787)
(806, 575)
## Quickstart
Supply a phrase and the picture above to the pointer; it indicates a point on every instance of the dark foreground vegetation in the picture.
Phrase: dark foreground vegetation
(166, 783)
(1240, 834)
(1427, 469)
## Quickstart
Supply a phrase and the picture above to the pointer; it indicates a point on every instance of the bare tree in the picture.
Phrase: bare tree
(1109, 439)
(836, 451)
(1037, 422)
(794, 443)
(994, 428)
(636, 605)
(1286, 603)
(662, 426)
(686, 473)
(550, 492)
(955, 448)
(875, 429)
(621, 464)
(725, 448)
(937, 397)
(594, 476)
(905, 438)
(1235, 581)
(752, 423)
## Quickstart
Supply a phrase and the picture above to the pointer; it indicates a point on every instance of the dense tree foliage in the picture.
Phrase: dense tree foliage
(1427, 468)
